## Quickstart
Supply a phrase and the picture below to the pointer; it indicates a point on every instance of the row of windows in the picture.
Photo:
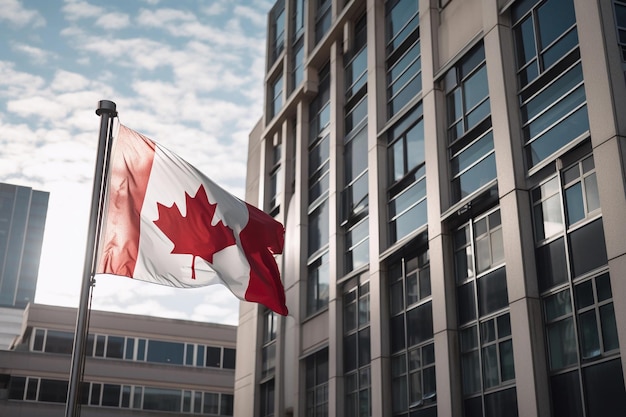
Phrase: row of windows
(123, 396)
(136, 349)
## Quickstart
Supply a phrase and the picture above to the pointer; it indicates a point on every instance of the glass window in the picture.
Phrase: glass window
(52, 390)
(544, 32)
(467, 93)
(17, 387)
(318, 284)
(277, 96)
(59, 342)
(115, 347)
(486, 345)
(552, 97)
(298, 64)
(226, 404)
(411, 331)
(229, 358)
(471, 149)
(407, 191)
(587, 248)
(211, 404)
(473, 167)
(566, 395)
(297, 6)
(316, 384)
(165, 352)
(38, 340)
(318, 227)
(277, 16)
(323, 18)
(111, 395)
(213, 356)
(267, 399)
(604, 389)
(356, 351)
(404, 80)
(620, 21)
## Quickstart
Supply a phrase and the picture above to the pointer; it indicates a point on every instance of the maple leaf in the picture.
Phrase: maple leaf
(194, 234)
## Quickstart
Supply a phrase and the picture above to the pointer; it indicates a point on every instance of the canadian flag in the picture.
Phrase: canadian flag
(166, 222)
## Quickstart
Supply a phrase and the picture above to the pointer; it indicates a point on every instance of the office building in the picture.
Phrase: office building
(22, 221)
(451, 177)
(135, 366)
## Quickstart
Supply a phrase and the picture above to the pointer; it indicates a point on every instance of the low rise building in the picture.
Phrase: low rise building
(135, 366)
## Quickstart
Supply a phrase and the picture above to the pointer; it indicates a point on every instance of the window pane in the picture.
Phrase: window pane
(584, 294)
(474, 178)
(604, 386)
(51, 390)
(507, 367)
(588, 250)
(115, 347)
(501, 403)
(111, 395)
(397, 333)
(419, 324)
(213, 356)
(603, 287)
(229, 358)
(473, 153)
(318, 228)
(553, 93)
(554, 17)
(470, 370)
(548, 218)
(557, 305)
(59, 342)
(211, 403)
(591, 193)
(490, 366)
(492, 292)
(551, 264)
(609, 327)
(467, 305)
(562, 344)
(165, 352)
(525, 42)
(574, 203)
(558, 136)
(566, 398)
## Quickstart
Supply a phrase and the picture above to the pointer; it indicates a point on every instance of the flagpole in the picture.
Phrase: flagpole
(107, 111)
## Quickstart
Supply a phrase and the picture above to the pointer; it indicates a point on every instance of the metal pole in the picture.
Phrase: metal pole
(107, 111)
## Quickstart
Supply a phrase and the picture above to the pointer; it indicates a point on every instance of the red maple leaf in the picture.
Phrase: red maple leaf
(194, 234)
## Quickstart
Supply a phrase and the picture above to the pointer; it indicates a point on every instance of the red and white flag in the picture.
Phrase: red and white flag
(166, 222)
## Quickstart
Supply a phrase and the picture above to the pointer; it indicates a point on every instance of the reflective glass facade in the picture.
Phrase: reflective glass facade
(22, 221)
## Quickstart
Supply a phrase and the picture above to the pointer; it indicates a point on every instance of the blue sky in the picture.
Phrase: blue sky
(188, 74)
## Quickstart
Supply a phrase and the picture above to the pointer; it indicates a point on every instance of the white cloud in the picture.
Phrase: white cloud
(68, 81)
(113, 21)
(77, 10)
(14, 12)
(37, 55)
(163, 17)
(251, 14)
(16, 83)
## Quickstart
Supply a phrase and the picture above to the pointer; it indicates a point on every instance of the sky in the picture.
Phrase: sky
(187, 74)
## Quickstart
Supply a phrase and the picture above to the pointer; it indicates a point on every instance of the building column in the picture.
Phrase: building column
(380, 388)
(447, 358)
(604, 83)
